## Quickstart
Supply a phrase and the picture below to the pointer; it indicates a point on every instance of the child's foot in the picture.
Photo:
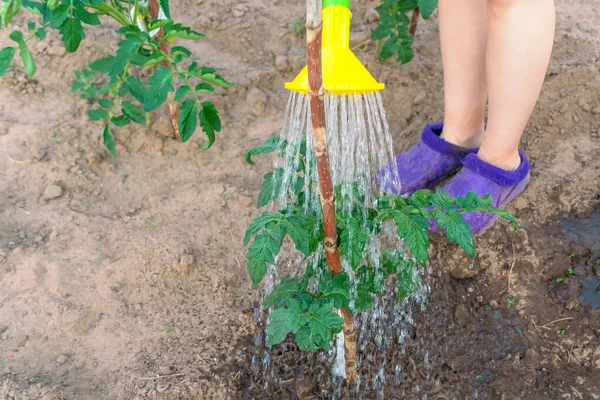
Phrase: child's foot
(483, 178)
(423, 166)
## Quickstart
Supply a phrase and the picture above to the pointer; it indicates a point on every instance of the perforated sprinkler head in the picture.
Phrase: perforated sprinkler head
(343, 73)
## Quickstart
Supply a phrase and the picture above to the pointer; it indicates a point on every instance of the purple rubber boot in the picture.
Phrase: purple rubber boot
(483, 178)
(424, 165)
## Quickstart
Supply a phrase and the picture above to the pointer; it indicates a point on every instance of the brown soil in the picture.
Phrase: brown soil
(91, 280)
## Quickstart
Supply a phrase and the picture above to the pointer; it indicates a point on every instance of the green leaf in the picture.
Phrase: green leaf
(8, 9)
(269, 146)
(364, 298)
(392, 261)
(136, 88)
(427, 7)
(40, 33)
(97, 115)
(158, 23)
(72, 33)
(127, 48)
(51, 4)
(133, 113)
(390, 47)
(103, 64)
(263, 250)
(178, 31)
(6, 56)
(406, 5)
(210, 122)
(283, 292)
(407, 280)
(469, 201)
(161, 83)
(28, 61)
(121, 120)
(109, 140)
(35, 7)
(59, 16)
(354, 236)
(299, 226)
(31, 26)
(105, 103)
(208, 75)
(180, 50)
(204, 88)
(259, 223)
(405, 53)
(187, 119)
(413, 229)
(183, 91)
(336, 288)
(17, 37)
(85, 16)
(154, 59)
(319, 331)
(457, 230)
(164, 4)
(381, 32)
(284, 321)
(271, 187)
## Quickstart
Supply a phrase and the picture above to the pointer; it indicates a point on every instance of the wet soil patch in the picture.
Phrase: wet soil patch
(451, 352)
(584, 232)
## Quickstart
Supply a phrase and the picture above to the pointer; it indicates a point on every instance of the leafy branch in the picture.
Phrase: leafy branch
(396, 31)
(310, 314)
(112, 81)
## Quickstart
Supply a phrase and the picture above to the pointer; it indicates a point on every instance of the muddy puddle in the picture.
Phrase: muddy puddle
(585, 233)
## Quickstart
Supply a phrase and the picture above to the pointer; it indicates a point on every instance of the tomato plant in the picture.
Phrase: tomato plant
(395, 32)
(113, 84)
(306, 305)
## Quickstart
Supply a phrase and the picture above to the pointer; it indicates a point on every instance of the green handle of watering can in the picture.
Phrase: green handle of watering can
(343, 3)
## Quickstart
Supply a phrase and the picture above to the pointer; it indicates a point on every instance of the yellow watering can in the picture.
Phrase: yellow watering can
(343, 73)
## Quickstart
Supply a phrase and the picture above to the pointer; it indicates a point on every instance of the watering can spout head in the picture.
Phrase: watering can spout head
(343, 73)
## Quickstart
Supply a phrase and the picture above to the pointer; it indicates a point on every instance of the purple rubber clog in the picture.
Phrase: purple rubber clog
(483, 178)
(428, 163)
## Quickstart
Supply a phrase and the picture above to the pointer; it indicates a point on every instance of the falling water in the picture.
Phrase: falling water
(360, 143)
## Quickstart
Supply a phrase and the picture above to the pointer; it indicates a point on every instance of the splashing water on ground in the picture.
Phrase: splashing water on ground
(360, 143)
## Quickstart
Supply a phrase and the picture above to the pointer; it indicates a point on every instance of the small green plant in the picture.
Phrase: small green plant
(299, 28)
(113, 84)
(151, 224)
(510, 302)
(598, 261)
(563, 332)
(306, 305)
(570, 271)
(168, 328)
(559, 280)
(396, 31)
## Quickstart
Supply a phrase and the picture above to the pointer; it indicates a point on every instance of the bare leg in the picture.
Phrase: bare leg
(521, 34)
(463, 36)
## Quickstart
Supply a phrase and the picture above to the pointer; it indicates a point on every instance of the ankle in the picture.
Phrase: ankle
(507, 162)
(467, 137)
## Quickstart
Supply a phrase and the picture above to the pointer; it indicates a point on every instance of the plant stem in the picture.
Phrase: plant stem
(414, 20)
(136, 9)
(164, 46)
(316, 93)
(108, 10)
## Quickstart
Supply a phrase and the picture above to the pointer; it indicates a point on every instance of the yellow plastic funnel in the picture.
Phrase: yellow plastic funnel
(343, 73)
